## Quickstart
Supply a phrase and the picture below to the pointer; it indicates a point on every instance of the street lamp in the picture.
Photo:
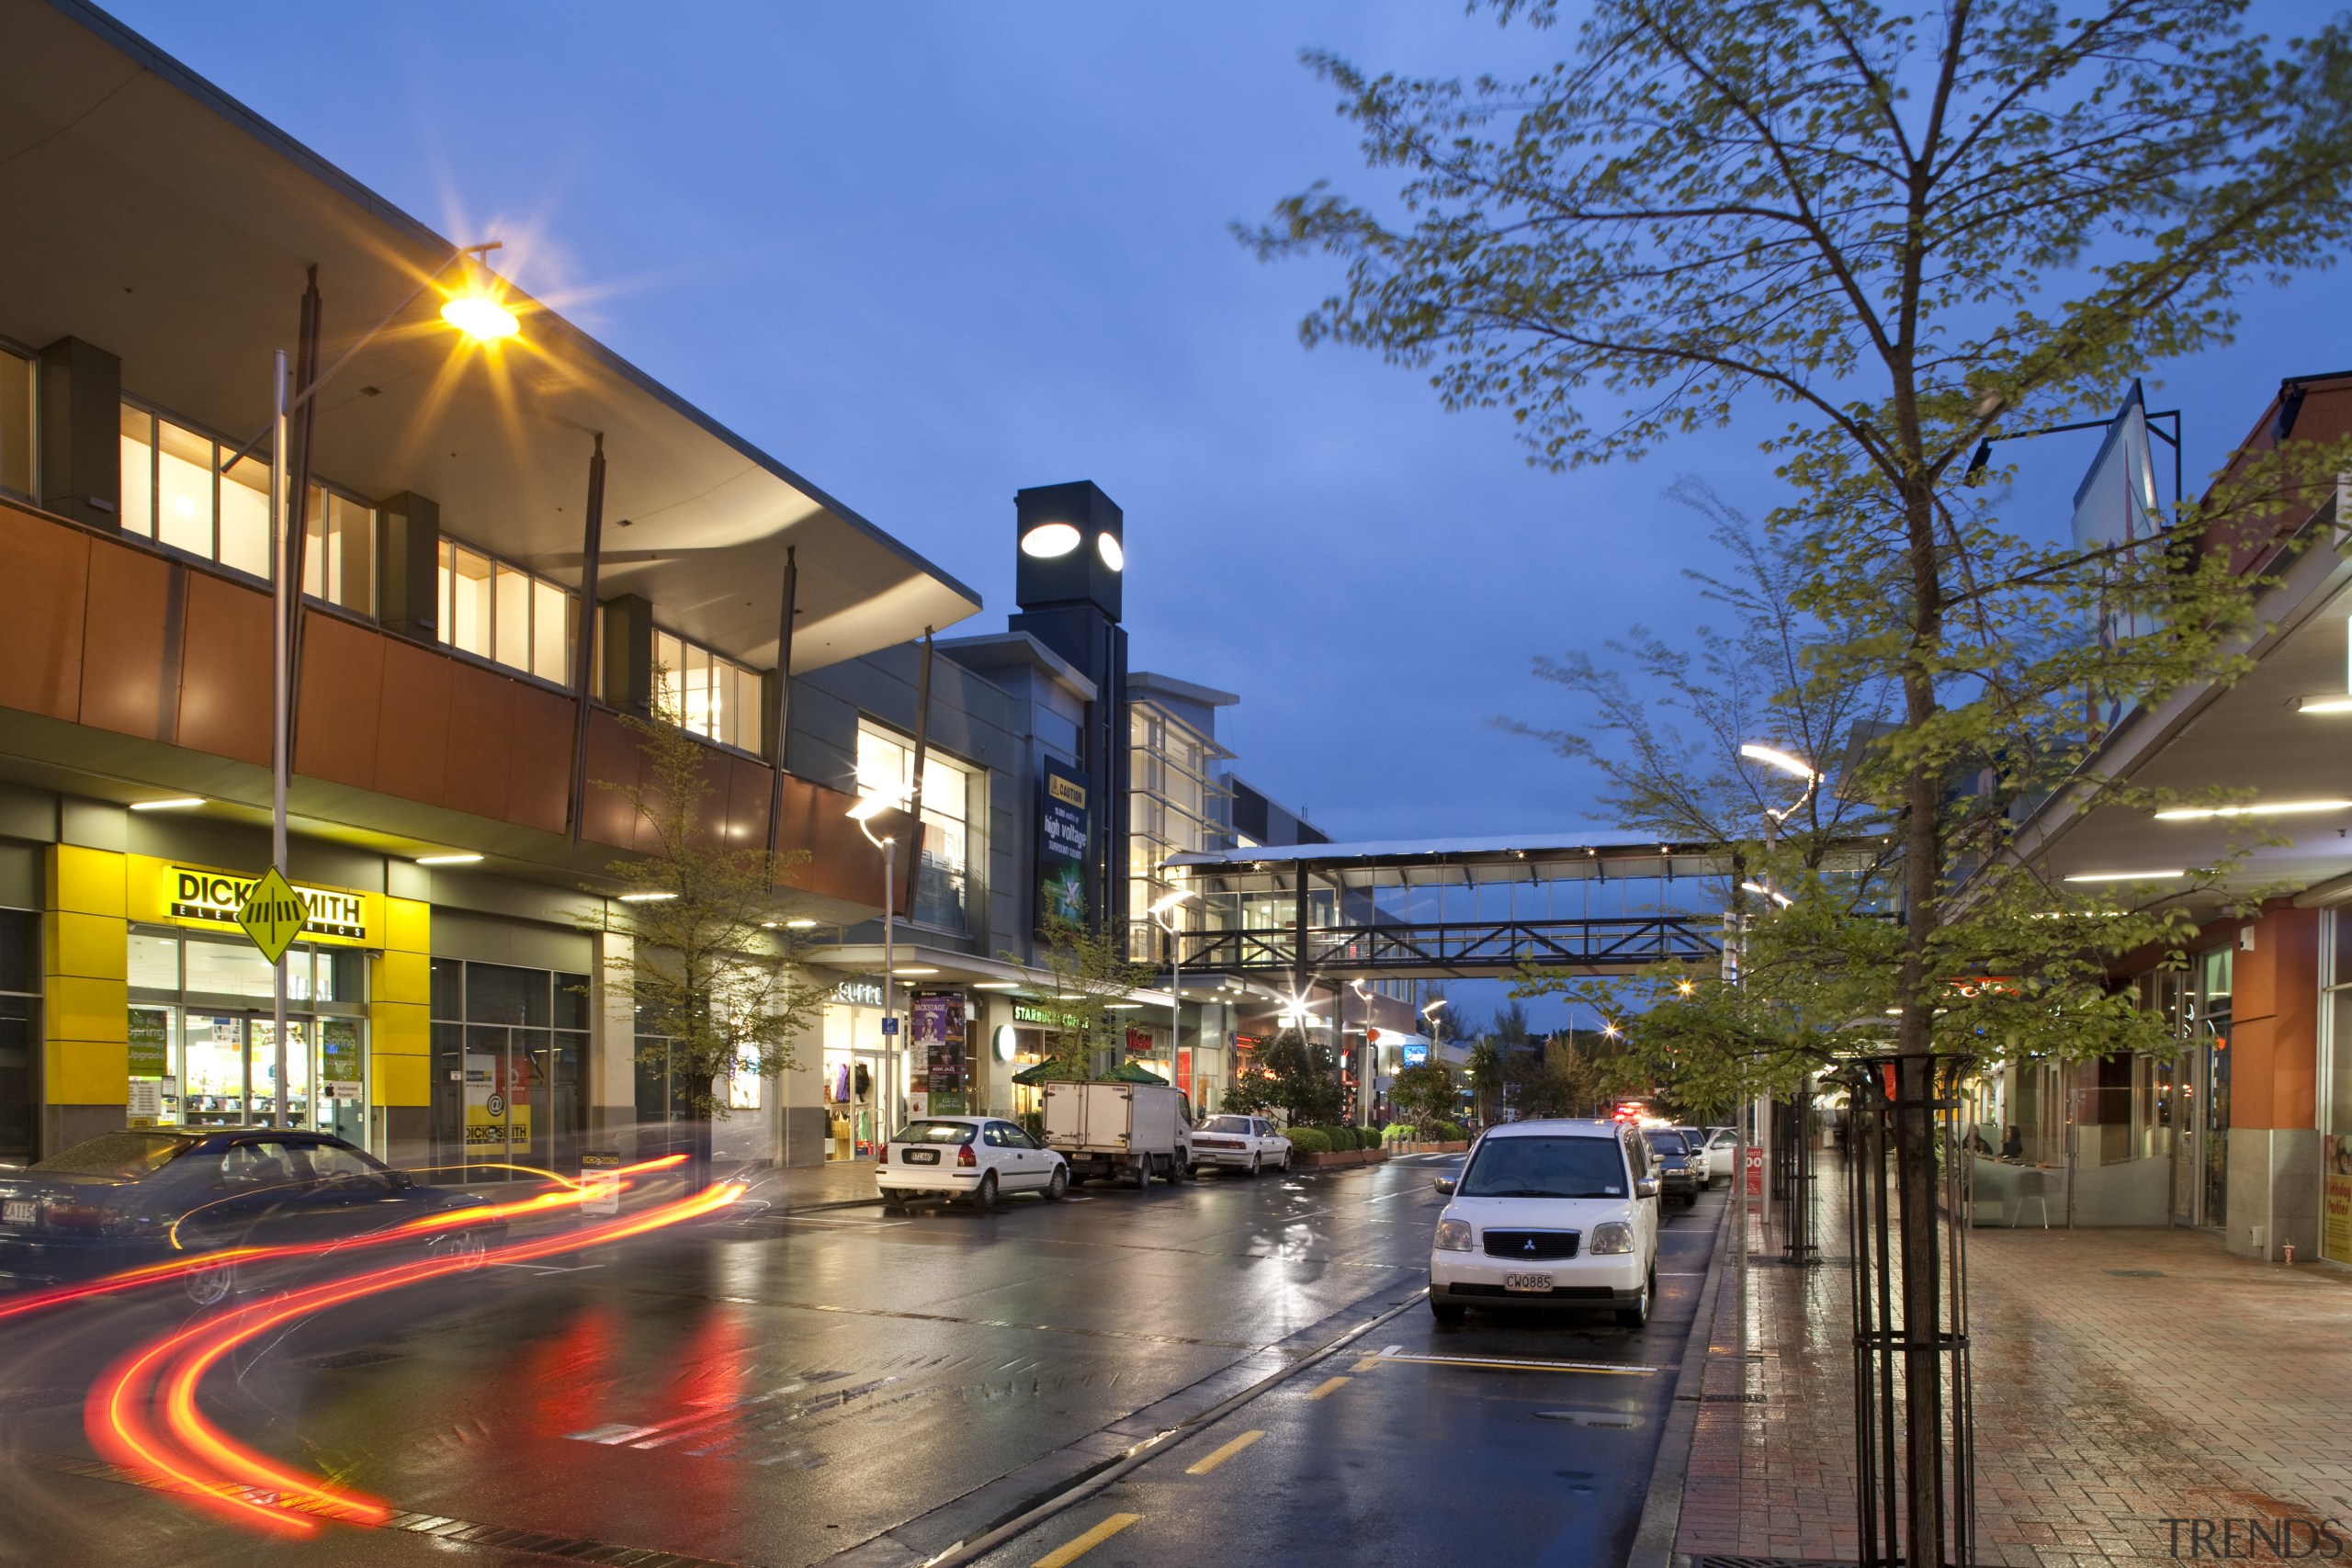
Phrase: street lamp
(1162, 907)
(868, 807)
(286, 596)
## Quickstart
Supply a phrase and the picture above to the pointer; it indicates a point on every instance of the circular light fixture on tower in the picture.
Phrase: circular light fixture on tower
(1048, 540)
(1113, 556)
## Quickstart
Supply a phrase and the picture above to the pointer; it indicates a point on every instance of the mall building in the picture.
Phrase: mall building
(2246, 1131)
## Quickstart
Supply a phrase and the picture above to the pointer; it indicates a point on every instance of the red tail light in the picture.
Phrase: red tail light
(881, 1151)
(965, 1159)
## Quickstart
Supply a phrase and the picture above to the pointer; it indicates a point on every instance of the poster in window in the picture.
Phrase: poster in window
(2335, 1214)
(1064, 829)
(939, 1044)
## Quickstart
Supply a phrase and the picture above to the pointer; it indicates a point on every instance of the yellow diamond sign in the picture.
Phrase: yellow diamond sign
(273, 916)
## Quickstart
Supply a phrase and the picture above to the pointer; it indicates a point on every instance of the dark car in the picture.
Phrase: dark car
(126, 1200)
(1677, 1179)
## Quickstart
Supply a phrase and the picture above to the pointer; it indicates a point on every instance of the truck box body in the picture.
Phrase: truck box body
(1105, 1129)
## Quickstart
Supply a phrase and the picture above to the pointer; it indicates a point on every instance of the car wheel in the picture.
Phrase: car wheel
(1143, 1173)
(1178, 1172)
(1254, 1168)
(469, 1248)
(1446, 1311)
(210, 1284)
(984, 1195)
(1638, 1315)
(1057, 1184)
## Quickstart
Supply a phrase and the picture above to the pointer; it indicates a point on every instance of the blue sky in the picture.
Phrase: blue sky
(928, 253)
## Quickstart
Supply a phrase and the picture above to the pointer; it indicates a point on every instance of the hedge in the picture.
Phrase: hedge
(1308, 1141)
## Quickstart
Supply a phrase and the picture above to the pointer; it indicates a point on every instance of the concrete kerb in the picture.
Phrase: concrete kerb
(1669, 1471)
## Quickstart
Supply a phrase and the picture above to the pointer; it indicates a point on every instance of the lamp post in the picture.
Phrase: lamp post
(1162, 908)
(1795, 767)
(863, 813)
(480, 319)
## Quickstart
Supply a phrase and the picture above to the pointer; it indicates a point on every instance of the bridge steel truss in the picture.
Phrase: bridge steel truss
(1601, 944)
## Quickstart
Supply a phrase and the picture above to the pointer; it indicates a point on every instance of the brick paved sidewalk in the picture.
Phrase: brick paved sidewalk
(2122, 1377)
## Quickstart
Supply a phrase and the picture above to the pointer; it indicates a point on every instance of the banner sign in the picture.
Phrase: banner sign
(1064, 830)
(939, 1036)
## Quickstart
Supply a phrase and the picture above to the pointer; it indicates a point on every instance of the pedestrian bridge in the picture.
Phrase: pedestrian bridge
(1450, 907)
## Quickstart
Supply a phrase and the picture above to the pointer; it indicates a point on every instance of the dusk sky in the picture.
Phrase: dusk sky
(928, 253)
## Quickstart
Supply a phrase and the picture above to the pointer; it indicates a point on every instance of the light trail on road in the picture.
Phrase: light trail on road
(223, 1475)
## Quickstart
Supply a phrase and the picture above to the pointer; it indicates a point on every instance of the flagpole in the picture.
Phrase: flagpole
(288, 601)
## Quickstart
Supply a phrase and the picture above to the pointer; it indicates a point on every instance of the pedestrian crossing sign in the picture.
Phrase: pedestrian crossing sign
(273, 915)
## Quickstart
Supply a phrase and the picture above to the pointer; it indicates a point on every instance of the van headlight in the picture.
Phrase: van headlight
(1453, 1235)
(1612, 1236)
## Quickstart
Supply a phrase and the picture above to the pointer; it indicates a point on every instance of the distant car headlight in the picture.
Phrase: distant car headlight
(1453, 1235)
(1612, 1236)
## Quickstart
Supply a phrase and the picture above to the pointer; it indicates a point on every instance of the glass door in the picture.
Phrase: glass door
(522, 1097)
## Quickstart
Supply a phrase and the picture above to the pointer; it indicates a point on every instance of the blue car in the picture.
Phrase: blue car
(125, 1199)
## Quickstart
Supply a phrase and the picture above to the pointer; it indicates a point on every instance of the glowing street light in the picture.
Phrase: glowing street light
(863, 813)
(480, 318)
(1162, 908)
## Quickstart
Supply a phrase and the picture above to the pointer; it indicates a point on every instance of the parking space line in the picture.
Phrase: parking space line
(1512, 1364)
(1327, 1387)
(1069, 1552)
(1226, 1453)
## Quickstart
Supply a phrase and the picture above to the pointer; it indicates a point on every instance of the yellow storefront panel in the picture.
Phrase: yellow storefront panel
(401, 977)
(401, 1028)
(408, 925)
(95, 946)
(402, 1080)
(89, 882)
(87, 1072)
(79, 1007)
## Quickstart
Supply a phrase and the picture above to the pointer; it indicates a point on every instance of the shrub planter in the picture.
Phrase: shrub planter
(1336, 1157)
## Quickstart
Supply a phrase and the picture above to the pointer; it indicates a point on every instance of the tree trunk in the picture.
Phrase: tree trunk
(698, 1158)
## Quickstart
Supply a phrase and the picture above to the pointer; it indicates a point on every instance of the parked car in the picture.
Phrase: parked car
(1549, 1214)
(1702, 1160)
(1242, 1143)
(1676, 1178)
(124, 1199)
(1722, 1149)
(979, 1157)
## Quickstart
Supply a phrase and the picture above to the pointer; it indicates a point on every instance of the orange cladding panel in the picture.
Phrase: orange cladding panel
(412, 729)
(123, 654)
(343, 692)
(538, 769)
(225, 670)
(481, 738)
(46, 566)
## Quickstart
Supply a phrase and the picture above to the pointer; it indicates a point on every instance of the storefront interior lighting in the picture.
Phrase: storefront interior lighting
(447, 860)
(2126, 876)
(2276, 808)
(916, 969)
(176, 803)
(994, 984)
(1113, 1007)
(646, 897)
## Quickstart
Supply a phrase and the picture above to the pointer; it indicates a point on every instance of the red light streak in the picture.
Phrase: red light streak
(216, 1469)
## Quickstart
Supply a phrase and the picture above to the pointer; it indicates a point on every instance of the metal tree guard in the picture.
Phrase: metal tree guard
(1884, 1410)
(1794, 1127)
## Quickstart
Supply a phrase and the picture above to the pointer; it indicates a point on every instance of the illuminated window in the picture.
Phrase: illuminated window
(706, 692)
(504, 614)
(339, 551)
(886, 766)
(175, 492)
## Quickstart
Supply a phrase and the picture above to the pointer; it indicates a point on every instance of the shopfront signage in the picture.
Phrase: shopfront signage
(1044, 1017)
(194, 895)
(1063, 833)
(1416, 1055)
(859, 993)
(1138, 1044)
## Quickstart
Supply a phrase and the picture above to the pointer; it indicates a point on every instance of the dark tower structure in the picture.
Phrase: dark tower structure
(1072, 567)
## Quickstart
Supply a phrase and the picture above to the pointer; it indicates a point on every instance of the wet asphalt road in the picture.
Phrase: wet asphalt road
(875, 1388)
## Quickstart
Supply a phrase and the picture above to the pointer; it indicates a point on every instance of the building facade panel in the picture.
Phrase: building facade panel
(126, 641)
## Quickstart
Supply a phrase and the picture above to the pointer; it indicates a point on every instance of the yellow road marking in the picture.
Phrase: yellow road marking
(1327, 1387)
(1226, 1453)
(1062, 1556)
(1510, 1365)
(1366, 1364)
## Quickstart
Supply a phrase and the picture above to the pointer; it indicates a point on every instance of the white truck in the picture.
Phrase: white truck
(1111, 1130)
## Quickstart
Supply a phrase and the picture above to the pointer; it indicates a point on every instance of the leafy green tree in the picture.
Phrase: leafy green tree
(1426, 1093)
(714, 972)
(1891, 235)
(1485, 1066)
(1091, 972)
(1301, 1079)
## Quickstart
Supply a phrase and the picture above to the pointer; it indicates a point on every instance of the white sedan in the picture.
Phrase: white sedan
(1704, 1160)
(1243, 1143)
(979, 1157)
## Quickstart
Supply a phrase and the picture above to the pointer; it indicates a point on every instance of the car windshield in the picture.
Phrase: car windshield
(1546, 1167)
(1226, 1124)
(116, 1157)
(1666, 1140)
(935, 1133)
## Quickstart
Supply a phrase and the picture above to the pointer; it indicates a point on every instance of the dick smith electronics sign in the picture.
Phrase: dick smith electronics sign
(213, 897)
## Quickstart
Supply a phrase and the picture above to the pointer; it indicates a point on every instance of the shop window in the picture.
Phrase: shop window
(178, 489)
(707, 694)
(19, 1037)
(509, 1080)
(17, 431)
(506, 615)
(885, 765)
